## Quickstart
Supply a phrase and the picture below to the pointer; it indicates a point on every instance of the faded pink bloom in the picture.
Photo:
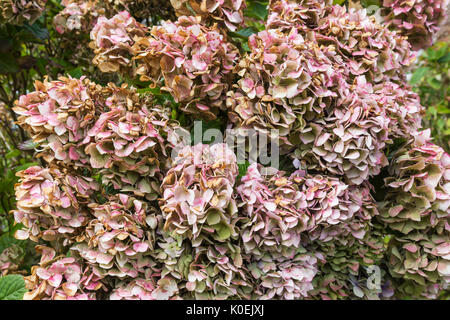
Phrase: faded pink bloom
(61, 278)
(198, 194)
(195, 61)
(113, 40)
(417, 209)
(121, 237)
(230, 13)
(419, 20)
(51, 204)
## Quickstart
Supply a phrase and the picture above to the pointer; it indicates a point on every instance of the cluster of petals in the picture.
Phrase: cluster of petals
(197, 192)
(58, 116)
(119, 241)
(112, 41)
(111, 130)
(145, 289)
(287, 279)
(283, 13)
(80, 16)
(347, 255)
(326, 79)
(285, 213)
(284, 79)
(279, 209)
(277, 213)
(195, 61)
(61, 278)
(337, 282)
(217, 271)
(227, 12)
(51, 203)
(419, 20)
(18, 12)
(402, 106)
(351, 215)
(350, 140)
(128, 148)
(416, 210)
(77, 16)
(419, 186)
(362, 45)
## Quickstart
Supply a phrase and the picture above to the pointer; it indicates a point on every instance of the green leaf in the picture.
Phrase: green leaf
(243, 167)
(76, 73)
(8, 63)
(445, 58)
(12, 154)
(442, 109)
(37, 30)
(437, 51)
(338, 2)
(7, 241)
(40, 65)
(61, 62)
(245, 33)
(387, 239)
(257, 9)
(434, 83)
(418, 75)
(12, 287)
(174, 114)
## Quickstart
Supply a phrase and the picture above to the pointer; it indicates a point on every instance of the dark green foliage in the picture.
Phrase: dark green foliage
(431, 80)
(12, 287)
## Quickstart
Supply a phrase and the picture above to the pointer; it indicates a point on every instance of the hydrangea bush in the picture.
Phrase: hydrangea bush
(121, 207)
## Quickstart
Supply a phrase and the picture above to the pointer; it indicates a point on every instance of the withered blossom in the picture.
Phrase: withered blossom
(230, 13)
